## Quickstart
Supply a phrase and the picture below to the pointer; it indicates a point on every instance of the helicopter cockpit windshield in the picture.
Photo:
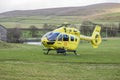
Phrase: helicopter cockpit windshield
(52, 36)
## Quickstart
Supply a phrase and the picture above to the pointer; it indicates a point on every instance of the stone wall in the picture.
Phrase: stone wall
(3, 33)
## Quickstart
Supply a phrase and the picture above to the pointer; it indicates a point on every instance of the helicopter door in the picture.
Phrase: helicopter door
(72, 43)
(62, 41)
(59, 42)
(65, 41)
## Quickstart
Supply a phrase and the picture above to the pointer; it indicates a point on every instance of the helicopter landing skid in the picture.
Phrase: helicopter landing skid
(59, 51)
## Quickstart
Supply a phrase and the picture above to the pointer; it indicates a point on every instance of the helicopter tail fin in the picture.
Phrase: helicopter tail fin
(96, 37)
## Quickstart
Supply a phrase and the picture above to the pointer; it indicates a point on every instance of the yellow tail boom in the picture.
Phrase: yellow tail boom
(95, 39)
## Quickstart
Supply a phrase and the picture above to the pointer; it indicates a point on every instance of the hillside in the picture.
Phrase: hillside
(90, 10)
(98, 13)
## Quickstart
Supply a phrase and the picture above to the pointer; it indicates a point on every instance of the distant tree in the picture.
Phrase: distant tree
(45, 26)
(119, 28)
(110, 30)
(86, 27)
(14, 35)
(49, 26)
(33, 30)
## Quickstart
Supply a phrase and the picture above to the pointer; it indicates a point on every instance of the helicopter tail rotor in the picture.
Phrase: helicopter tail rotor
(96, 37)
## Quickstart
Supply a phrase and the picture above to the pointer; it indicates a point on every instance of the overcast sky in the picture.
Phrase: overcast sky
(8, 5)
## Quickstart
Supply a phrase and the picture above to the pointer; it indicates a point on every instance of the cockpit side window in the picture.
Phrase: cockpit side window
(65, 37)
(60, 37)
(76, 39)
(72, 38)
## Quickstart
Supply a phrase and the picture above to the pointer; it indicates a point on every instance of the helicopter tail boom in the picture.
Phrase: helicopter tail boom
(95, 39)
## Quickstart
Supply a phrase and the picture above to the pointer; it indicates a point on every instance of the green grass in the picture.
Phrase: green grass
(27, 62)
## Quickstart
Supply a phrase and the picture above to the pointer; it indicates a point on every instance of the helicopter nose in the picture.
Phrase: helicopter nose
(44, 40)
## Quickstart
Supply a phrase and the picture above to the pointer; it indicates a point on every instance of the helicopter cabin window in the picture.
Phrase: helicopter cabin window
(76, 39)
(65, 37)
(60, 37)
(72, 38)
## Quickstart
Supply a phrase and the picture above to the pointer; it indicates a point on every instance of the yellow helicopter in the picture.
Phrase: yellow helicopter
(66, 39)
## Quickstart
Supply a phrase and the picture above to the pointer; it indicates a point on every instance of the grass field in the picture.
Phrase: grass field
(27, 62)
